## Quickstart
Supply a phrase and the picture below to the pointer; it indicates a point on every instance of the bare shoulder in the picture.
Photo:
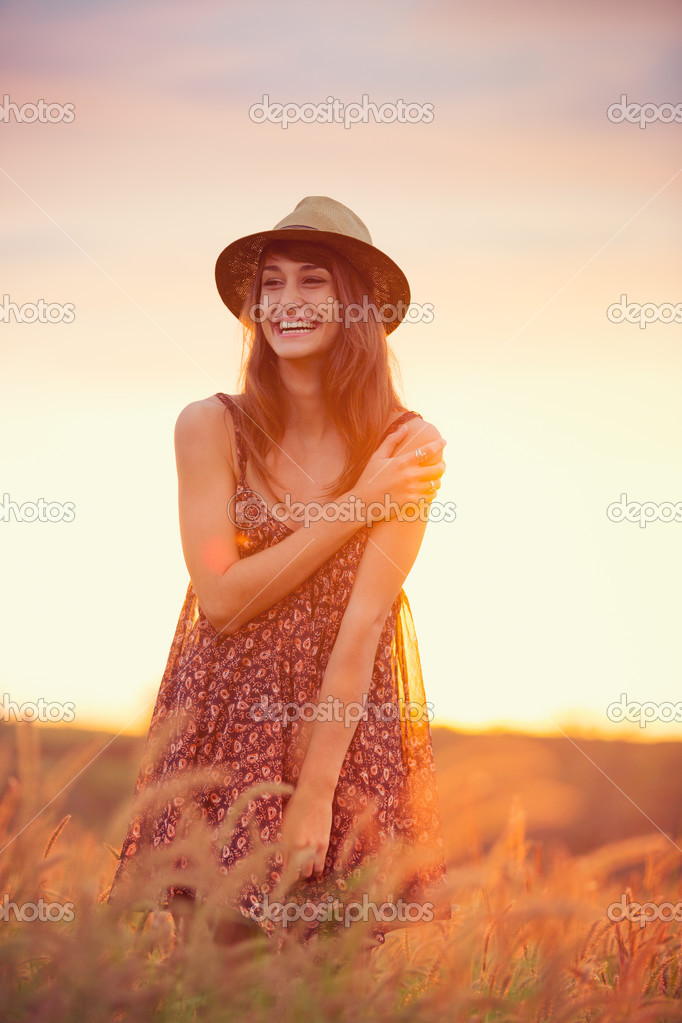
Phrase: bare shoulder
(198, 419)
(205, 427)
(417, 433)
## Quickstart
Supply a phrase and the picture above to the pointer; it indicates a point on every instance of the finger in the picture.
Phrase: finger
(430, 472)
(394, 438)
(319, 863)
(300, 858)
(432, 463)
(307, 867)
(426, 454)
(434, 450)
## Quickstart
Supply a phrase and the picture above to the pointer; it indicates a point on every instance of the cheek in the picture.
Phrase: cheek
(327, 304)
(330, 331)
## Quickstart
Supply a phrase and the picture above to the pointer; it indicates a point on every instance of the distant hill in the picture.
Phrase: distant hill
(571, 798)
(581, 794)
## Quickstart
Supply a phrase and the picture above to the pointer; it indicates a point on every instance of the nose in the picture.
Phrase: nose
(290, 297)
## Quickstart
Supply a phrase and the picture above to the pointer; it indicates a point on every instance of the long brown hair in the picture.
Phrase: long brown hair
(357, 376)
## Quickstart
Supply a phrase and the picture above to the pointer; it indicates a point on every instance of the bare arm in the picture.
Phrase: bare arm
(231, 590)
(391, 551)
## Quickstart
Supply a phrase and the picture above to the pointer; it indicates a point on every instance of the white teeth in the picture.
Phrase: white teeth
(296, 325)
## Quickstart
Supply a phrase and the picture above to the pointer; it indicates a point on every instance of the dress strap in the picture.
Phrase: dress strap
(235, 411)
(398, 422)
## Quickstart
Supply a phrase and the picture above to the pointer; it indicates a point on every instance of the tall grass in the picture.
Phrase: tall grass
(530, 940)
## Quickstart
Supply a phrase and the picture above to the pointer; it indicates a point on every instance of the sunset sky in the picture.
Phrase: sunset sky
(520, 211)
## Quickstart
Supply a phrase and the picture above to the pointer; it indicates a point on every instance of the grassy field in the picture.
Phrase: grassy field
(539, 845)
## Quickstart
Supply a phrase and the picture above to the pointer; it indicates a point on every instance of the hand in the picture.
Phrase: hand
(401, 478)
(306, 827)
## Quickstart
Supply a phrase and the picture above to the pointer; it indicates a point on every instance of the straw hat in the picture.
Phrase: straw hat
(320, 219)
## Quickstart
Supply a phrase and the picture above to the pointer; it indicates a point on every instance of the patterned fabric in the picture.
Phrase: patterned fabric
(207, 716)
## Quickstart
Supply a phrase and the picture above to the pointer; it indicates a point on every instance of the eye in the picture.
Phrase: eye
(272, 282)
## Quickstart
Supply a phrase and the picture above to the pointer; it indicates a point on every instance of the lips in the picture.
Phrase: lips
(295, 328)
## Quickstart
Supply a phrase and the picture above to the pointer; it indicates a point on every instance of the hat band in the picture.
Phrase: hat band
(293, 227)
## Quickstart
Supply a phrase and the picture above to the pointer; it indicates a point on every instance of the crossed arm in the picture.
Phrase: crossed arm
(391, 550)
(231, 590)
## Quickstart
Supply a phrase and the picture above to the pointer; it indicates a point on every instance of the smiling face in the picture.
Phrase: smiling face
(300, 298)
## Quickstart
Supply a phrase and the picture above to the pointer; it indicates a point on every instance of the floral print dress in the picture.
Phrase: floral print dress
(219, 719)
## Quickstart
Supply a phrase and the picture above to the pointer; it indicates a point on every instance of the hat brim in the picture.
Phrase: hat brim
(237, 264)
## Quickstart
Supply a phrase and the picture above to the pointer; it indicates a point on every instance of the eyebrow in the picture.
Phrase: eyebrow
(305, 266)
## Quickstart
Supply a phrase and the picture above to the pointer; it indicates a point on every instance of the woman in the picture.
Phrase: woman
(294, 666)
